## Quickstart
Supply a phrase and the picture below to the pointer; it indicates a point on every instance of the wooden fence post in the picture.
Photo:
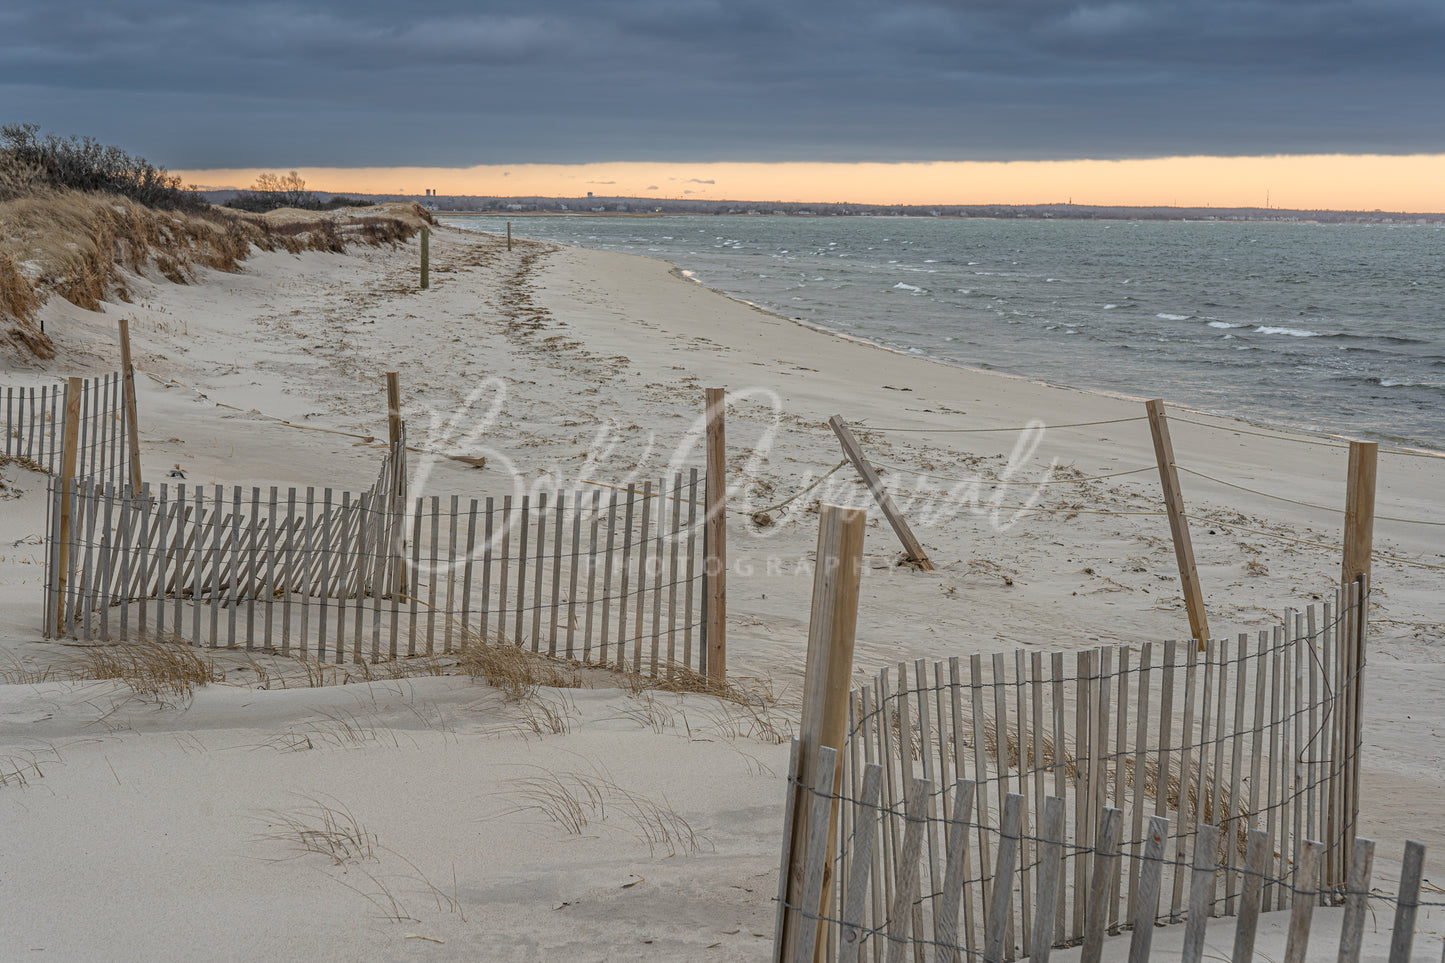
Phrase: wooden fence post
(1359, 511)
(509, 235)
(1178, 521)
(68, 454)
(395, 502)
(393, 407)
(128, 385)
(854, 451)
(827, 678)
(715, 537)
(425, 259)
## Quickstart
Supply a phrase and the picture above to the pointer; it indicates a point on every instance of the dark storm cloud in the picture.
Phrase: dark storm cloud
(451, 83)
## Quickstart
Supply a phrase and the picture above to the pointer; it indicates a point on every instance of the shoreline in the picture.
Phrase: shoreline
(685, 274)
(1041, 212)
(1275, 421)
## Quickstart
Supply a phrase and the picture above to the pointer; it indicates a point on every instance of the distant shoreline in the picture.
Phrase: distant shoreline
(1127, 214)
(480, 205)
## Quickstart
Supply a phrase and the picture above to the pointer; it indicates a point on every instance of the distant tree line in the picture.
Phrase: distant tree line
(273, 191)
(647, 205)
(85, 164)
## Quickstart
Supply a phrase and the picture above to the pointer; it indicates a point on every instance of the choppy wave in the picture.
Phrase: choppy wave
(1292, 332)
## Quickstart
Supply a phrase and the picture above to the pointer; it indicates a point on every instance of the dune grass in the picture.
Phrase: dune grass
(167, 670)
(89, 247)
(576, 800)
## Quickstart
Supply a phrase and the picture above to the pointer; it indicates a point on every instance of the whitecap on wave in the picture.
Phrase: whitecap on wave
(1292, 332)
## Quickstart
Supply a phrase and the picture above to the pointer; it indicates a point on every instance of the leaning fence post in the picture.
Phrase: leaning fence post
(1359, 511)
(715, 568)
(1178, 521)
(66, 483)
(425, 258)
(911, 547)
(128, 385)
(826, 681)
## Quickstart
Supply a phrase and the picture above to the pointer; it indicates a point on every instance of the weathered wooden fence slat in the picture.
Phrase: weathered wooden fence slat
(1172, 735)
(846, 926)
(34, 424)
(313, 573)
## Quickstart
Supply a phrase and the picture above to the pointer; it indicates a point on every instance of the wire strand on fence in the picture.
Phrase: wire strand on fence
(792, 498)
(1010, 481)
(1163, 762)
(1288, 434)
(1281, 498)
(960, 431)
(1375, 553)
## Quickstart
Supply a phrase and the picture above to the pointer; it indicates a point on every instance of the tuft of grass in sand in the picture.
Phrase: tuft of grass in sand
(20, 768)
(543, 716)
(575, 800)
(168, 670)
(324, 827)
(16, 672)
(513, 670)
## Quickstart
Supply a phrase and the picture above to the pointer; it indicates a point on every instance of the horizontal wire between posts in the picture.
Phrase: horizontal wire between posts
(1281, 498)
(791, 498)
(1375, 553)
(958, 431)
(1120, 474)
(1285, 435)
(1072, 511)
(1007, 481)
(944, 500)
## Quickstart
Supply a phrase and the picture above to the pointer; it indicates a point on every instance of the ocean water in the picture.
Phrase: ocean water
(1338, 328)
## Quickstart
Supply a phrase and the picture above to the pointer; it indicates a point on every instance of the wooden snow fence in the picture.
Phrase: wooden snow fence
(613, 578)
(35, 427)
(947, 764)
(853, 937)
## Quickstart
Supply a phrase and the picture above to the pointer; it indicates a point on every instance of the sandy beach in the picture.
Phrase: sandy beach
(137, 831)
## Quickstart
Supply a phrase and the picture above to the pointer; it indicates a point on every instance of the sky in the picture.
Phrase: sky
(976, 99)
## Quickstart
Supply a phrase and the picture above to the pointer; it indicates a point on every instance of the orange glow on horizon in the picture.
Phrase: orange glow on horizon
(1363, 182)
